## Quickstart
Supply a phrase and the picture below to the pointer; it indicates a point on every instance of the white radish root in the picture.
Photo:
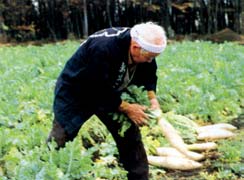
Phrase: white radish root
(215, 134)
(176, 141)
(169, 151)
(202, 146)
(194, 155)
(170, 162)
(224, 126)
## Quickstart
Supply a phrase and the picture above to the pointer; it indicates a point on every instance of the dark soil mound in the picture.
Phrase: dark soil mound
(224, 35)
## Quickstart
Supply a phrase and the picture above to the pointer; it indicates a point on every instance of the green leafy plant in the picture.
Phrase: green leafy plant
(133, 94)
(200, 80)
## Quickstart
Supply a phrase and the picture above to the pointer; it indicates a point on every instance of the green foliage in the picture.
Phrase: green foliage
(232, 151)
(133, 94)
(230, 164)
(200, 80)
(203, 79)
(70, 162)
(28, 76)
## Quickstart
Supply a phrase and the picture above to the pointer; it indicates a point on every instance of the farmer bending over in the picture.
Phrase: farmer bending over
(94, 78)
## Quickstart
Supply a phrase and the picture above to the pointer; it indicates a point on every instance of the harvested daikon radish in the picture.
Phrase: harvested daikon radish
(215, 134)
(225, 126)
(202, 146)
(176, 163)
(194, 155)
(175, 140)
(169, 151)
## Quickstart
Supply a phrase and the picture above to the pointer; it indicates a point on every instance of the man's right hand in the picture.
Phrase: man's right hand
(135, 112)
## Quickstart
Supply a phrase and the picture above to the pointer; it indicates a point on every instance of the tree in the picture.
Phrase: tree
(61, 19)
(85, 28)
(3, 28)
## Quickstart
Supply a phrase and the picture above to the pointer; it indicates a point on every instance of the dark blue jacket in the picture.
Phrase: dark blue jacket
(91, 77)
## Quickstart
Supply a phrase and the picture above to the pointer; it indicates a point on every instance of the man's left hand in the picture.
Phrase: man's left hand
(154, 104)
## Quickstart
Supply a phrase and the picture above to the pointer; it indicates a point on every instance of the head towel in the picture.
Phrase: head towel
(136, 36)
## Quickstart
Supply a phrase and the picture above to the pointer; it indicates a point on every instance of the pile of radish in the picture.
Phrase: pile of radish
(182, 156)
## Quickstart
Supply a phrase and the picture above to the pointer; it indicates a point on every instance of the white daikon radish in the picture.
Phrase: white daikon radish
(225, 126)
(176, 163)
(194, 155)
(202, 146)
(215, 134)
(169, 151)
(175, 140)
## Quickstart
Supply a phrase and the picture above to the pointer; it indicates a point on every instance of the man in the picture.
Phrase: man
(93, 80)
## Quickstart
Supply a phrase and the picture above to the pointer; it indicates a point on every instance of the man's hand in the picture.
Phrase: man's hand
(154, 104)
(135, 112)
(153, 100)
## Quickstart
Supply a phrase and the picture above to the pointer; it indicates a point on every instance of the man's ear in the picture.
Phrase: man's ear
(134, 45)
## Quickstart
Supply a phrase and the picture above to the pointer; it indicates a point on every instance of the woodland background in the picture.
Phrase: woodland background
(25, 20)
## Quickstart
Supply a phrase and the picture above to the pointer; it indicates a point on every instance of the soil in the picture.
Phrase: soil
(239, 121)
(225, 35)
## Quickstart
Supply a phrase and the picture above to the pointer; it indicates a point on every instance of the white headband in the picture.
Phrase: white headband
(135, 35)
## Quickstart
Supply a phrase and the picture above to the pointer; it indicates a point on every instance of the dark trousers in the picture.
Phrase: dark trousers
(131, 150)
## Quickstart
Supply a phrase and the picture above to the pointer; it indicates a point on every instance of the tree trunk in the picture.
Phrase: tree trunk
(116, 13)
(208, 18)
(51, 19)
(108, 13)
(166, 13)
(215, 16)
(67, 20)
(85, 21)
(3, 37)
(242, 17)
(237, 16)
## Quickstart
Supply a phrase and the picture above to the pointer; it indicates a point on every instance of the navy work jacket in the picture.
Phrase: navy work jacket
(92, 76)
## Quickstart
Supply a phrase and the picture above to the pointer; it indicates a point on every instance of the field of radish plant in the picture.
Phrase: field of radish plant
(199, 81)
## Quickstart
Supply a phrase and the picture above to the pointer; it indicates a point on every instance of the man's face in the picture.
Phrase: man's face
(140, 55)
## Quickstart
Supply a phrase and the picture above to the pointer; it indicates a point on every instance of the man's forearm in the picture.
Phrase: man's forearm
(153, 100)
